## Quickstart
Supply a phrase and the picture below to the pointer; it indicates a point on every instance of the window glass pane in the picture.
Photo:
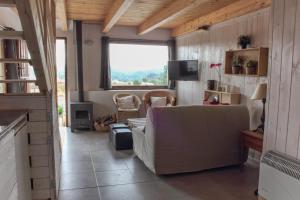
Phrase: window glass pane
(138, 65)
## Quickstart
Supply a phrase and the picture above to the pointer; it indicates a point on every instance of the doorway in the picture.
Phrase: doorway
(61, 72)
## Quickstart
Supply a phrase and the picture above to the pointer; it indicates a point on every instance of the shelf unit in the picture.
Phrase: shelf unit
(224, 97)
(258, 54)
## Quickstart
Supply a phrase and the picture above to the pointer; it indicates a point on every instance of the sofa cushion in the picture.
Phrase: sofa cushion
(126, 102)
(158, 101)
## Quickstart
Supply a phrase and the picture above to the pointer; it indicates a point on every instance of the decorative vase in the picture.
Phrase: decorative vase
(243, 46)
(236, 69)
(211, 84)
(219, 87)
(251, 70)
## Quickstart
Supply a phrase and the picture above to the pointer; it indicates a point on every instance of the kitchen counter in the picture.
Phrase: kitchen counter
(8, 119)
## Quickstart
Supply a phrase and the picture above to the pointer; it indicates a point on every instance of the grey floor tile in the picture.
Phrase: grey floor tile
(143, 174)
(134, 162)
(122, 192)
(75, 147)
(109, 165)
(102, 156)
(109, 153)
(79, 194)
(76, 167)
(122, 176)
(115, 177)
(77, 180)
(76, 156)
(99, 146)
(142, 191)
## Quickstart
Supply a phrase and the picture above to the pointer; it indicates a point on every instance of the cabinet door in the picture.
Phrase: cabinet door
(22, 163)
(7, 167)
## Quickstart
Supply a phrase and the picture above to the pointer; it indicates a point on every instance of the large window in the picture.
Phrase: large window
(138, 65)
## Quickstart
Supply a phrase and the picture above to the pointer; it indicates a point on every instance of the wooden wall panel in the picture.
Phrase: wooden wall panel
(286, 73)
(41, 141)
(210, 46)
(270, 41)
(283, 113)
(294, 115)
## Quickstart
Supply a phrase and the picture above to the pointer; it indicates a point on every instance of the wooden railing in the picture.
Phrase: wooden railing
(38, 23)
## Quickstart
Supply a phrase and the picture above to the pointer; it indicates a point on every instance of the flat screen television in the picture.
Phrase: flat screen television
(183, 70)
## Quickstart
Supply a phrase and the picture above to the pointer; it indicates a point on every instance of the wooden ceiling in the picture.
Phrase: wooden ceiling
(150, 14)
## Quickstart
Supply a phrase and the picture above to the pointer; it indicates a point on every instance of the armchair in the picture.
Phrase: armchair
(171, 99)
(124, 114)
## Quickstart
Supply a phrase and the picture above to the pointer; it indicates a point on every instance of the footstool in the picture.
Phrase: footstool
(115, 126)
(121, 138)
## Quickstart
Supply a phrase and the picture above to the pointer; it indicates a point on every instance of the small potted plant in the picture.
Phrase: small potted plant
(244, 41)
(237, 63)
(59, 110)
(251, 67)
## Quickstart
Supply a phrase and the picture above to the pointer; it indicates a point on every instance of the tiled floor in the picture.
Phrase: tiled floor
(92, 170)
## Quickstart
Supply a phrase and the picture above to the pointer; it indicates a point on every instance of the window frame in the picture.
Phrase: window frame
(138, 42)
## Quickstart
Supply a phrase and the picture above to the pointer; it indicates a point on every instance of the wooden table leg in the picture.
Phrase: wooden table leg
(242, 152)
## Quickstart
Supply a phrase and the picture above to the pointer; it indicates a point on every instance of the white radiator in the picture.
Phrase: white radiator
(279, 177)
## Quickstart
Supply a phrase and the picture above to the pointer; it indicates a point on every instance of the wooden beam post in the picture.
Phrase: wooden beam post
(11, 35)
(61, 13)
(165, 15)
(118, 9)
(236, 9)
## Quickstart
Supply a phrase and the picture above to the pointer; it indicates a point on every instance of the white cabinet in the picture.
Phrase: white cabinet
(8, 177)
(14, 162)
(22, 162)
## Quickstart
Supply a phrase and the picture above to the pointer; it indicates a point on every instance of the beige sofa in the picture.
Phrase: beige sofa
(190, 138)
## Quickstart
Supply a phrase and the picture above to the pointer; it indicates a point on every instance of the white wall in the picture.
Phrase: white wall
(9, 18)
(92, 34)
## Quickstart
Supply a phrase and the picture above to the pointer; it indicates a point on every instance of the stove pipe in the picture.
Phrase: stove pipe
(78, 36)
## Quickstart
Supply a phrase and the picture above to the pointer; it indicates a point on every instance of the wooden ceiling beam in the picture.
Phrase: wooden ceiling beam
(61, 14)
(7, 3)
(164, 16)
(236, 9)
(118, 8)
(11, 35)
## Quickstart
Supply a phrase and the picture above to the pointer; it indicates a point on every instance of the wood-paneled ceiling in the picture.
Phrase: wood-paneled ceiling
(150, 14)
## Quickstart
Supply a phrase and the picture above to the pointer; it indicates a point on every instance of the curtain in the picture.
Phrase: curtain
(172, 56)
(105, 81)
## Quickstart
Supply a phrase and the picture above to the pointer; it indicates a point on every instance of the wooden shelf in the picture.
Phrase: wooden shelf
(257, 54)
(214, 91)
(249, 75)
(224, 97)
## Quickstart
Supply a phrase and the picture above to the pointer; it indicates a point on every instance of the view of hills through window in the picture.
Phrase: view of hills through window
(138, 64)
